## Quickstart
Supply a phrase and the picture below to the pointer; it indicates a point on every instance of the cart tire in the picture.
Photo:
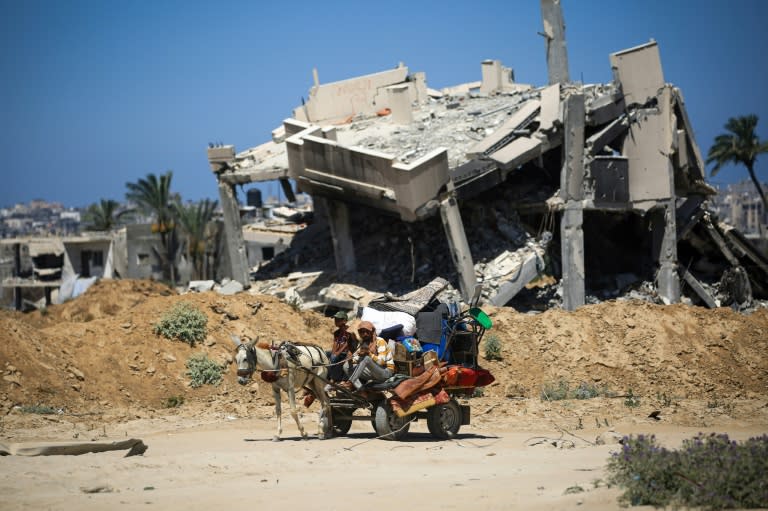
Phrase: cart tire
(341, 426)
(388, 425)
(444, 421)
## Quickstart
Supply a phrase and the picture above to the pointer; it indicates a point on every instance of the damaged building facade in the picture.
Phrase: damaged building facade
(598, 184)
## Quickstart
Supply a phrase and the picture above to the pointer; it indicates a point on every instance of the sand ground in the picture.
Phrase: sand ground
(98, 362)
(216, 462)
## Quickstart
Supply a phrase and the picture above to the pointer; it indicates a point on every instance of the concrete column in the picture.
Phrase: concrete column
(343, 248)
(233, 229)
(572, 174)
(400, 103)
(554, 33)
(457, 242)
(667, 277)
(16, 272)
(572, 255)
(491, 76)
(572, 192)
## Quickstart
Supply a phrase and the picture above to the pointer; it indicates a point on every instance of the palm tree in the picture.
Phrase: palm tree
(740, 145)
(153, 196)
(103, 216)
(194, 220)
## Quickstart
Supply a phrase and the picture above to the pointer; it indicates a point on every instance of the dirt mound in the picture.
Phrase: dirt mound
(98, 352)
(678, 350)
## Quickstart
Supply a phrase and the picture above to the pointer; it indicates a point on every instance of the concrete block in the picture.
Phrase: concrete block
(648, 147)
(399, 97)
(699, 289)
(201, 285)
(491, 76)
(230, 288)
(497, 139)
(517, 152)
(524, 272)
(550, 107)
(639, 71)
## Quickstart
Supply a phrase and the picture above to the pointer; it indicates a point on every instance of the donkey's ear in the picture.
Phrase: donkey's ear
(253, 342)
(235, 339)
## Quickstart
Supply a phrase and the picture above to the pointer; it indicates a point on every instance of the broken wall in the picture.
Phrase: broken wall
(360, 95)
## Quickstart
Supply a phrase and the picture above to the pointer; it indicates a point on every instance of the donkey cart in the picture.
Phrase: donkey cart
(430, 383)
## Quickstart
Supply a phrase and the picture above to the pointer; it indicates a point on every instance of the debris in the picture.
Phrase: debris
(230, 288)
(600, 186)
(201, 285)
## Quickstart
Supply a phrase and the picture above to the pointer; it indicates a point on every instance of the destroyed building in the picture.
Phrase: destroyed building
(494, 182)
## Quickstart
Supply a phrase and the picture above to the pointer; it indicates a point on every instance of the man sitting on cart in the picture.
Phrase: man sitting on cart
(373, 358)
(344, 343)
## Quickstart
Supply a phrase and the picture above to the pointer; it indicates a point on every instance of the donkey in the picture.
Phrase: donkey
(290, 368)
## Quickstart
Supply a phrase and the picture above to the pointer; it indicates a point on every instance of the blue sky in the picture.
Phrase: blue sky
(95, 94)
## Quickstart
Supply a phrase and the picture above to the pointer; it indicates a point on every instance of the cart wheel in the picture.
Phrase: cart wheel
(387, 424)
(444, 421)
(340, 425)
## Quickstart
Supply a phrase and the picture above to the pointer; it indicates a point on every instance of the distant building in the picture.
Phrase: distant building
(740, 205)
(42, 264)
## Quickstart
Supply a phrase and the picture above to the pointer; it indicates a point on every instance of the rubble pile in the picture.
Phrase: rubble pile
(601, 186)
(453, 121)
(406, 255)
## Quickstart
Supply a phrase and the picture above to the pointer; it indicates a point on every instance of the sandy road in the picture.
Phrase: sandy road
(234, 464)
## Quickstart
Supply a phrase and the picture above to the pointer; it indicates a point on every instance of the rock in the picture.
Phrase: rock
(201, 285)
(230, 288)
(12, 378)
(151, 370)
(77, 373)
(168, 357)
(609, 438)
(97, 489)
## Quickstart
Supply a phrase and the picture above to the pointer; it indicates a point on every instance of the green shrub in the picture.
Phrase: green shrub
(173, 402)
(573, 489)
(184, 322)
(39, 409)
(561, 389)
(555, 391)
(312, 321)
(587, 391)
(492, 348)
(202, 370)
(631, 401)
(711, 471)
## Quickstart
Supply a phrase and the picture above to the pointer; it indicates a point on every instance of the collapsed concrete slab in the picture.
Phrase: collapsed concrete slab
(584, 160)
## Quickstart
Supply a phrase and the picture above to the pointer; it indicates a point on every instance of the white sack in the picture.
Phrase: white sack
(385, 319)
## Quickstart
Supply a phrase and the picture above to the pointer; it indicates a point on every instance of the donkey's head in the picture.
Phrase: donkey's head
(245, 358)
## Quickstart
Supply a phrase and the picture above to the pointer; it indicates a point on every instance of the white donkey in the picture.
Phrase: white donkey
(289, 368)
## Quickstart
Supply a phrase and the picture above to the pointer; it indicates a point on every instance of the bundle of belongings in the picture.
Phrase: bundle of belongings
(422, 333)
(407, 322)
(417, 323)
(428, 389)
